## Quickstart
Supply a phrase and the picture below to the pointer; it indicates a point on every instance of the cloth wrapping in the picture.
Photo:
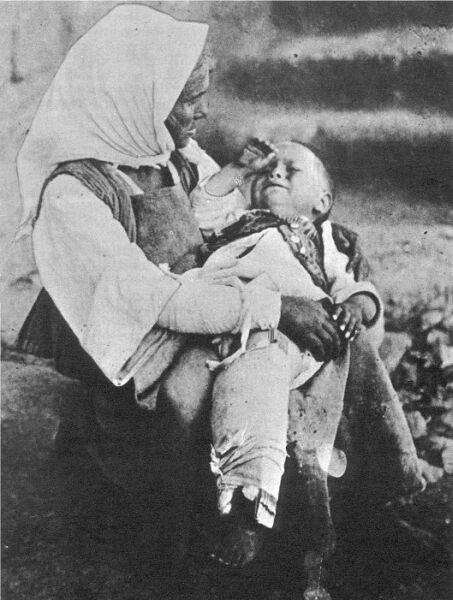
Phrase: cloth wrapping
(126, 73)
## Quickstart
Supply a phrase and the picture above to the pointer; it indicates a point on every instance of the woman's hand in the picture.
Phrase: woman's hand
(310, 326)
(347, 242)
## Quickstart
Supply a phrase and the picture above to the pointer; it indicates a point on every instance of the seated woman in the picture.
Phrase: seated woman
(105, 173)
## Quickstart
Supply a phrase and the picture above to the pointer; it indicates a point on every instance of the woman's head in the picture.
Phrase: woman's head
(192, 104)
(112, 95)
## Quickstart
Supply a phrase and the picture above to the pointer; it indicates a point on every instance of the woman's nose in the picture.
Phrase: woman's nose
(202, 109)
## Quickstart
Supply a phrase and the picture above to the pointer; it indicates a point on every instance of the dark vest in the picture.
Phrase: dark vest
(160, 221)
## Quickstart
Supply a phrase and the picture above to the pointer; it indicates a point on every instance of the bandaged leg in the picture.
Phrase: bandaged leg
(249, 423)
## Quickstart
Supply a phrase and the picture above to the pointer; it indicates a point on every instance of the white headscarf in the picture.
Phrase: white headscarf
(110, 98)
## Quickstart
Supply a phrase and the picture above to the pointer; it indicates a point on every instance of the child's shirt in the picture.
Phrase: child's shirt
(296, 261)
(291, 258)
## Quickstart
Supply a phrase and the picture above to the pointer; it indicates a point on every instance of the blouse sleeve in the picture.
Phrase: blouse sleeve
(103, 285)
(111, 296)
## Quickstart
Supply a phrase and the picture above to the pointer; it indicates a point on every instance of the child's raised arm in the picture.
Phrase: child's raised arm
(257, 156)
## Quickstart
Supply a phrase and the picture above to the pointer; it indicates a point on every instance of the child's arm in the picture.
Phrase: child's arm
(359, 309)
(256, 156)
(217, 201)
(358, 301)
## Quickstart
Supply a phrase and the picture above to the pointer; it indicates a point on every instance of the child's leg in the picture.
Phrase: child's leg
(249, 426)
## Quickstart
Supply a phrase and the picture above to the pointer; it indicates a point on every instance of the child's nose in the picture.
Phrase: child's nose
(278, 172)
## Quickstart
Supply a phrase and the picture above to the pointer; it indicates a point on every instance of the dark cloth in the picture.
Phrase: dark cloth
(304, 240)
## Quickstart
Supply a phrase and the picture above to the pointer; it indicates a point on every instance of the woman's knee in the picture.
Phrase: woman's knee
(187, 388)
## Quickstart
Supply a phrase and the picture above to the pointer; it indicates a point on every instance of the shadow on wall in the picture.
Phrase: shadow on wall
(351, 17)
(371, 82)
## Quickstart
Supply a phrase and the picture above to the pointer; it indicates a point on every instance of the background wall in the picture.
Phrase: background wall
(368, 82)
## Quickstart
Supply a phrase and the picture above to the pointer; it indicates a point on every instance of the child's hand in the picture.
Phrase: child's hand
(257, 155)
(223, 345)
(348, 317)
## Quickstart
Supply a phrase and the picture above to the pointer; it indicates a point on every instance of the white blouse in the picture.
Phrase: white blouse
(109, 293)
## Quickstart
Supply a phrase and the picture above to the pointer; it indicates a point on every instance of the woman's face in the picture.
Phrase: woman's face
(191, 106)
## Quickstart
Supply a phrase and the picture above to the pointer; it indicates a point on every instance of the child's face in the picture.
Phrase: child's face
(296, 185)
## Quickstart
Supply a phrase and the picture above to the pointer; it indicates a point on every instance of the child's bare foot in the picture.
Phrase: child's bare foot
(241, 537)
(240, 544)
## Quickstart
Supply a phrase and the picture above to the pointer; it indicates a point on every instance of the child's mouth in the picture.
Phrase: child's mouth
(272, 184)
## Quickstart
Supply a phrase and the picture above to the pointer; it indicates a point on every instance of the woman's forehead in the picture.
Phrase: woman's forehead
(198, 82)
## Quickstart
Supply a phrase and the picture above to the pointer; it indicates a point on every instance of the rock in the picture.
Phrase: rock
(446, 356)
(437, 337)
(417, 424)
(407, 373)
(30, 396)
(431, 318)
(431, 473)
(447, 459)
(447, 420)
(393, 348)
(448, 323)
(448, 396)
(439, 443)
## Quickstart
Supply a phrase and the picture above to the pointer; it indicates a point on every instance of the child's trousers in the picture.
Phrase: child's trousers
(252, 420)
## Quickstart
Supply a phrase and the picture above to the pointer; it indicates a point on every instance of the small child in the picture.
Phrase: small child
(288, 220)
(284, 242)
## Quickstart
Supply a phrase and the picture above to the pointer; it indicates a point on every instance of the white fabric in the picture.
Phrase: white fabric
(206, 307)
(270, 260)
(105, 288)
(206, 165)
(213, 213)
(110, 98)
(112, 296)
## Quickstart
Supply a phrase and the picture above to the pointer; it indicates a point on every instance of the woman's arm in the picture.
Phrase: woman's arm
(109, 293)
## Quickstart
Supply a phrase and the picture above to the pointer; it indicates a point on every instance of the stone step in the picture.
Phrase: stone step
(362, 81)
(399, 144)
(355, 17)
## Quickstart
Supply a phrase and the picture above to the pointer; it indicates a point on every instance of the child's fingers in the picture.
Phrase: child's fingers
(337, 313)
(355, 333)
(263, 146)
(344, 319)
(225, 346)
(351, 327)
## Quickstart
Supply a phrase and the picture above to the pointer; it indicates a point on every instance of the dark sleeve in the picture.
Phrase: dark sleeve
(347, 242)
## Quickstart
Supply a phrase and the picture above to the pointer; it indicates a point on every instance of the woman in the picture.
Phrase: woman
(105, 174)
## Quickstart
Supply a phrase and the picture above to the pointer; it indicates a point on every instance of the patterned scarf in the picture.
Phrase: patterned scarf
(302, 236)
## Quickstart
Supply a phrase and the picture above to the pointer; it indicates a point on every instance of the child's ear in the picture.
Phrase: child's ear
(324, 203)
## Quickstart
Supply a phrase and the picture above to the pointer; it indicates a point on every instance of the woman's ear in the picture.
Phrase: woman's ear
(324, 203)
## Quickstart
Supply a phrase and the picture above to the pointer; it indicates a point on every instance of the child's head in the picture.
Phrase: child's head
(297, 185)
